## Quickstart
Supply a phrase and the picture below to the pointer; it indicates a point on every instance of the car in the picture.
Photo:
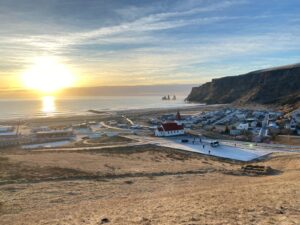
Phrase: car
(184, 140)
(214, 144)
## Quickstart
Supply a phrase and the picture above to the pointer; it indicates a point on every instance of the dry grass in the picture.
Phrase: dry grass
(102, 141)
(288, 140)
(119, 162)
(144, 185)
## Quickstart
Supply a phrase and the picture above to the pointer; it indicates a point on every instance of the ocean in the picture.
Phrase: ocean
(49, 106)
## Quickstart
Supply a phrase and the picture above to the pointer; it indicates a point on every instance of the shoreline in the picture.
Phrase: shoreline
(92, 113)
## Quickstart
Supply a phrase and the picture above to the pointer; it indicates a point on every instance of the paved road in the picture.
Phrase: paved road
(129, 120)
(114, 128)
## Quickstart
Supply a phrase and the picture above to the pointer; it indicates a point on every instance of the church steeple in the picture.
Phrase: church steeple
(178, 116)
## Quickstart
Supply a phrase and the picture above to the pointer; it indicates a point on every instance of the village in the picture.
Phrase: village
(189, 130)
(238, 124)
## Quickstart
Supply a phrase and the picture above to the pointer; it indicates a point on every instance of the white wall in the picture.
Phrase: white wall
(168, 133)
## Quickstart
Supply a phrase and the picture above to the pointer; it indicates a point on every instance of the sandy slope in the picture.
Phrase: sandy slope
(144, 185)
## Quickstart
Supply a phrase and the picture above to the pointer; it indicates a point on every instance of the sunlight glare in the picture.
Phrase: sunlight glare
(47, 75)
(48, 104)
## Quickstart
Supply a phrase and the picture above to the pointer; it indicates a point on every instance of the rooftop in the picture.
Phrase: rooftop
(170, 126)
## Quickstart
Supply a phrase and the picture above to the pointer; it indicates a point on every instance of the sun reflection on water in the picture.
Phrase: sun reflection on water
(48, 104)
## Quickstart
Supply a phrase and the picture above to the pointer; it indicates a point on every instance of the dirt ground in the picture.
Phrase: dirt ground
(287, 140)
(144, 185)
(101, 141)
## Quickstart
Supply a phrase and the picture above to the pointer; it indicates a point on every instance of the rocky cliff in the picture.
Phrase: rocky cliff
(280, 86)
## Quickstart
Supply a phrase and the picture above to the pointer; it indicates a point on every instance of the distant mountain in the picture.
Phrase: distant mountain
(138, 90)
(278, 85)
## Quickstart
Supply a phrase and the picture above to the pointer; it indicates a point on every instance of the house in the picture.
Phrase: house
(293, 124)
(8, 135)
(240, 116)
(243, 126)
(169, 129)
(4, 129)
(153, 121)
(166, 117)
(259, 114)
(296, 116)
(41, 128)
(252, 122)
(122, 125)
(9, 139)
(273, 124)
(287, 124)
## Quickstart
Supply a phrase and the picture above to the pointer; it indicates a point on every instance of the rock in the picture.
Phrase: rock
(258, 170)
(145, 221)
(128, 182)
(104, 221)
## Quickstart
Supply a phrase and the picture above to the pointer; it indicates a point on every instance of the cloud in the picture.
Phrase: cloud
(153, 22)
(181, 42)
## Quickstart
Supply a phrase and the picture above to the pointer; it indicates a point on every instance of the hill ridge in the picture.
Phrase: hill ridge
(277, 85)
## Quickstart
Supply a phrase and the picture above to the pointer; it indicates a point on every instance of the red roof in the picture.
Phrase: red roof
(170, 127)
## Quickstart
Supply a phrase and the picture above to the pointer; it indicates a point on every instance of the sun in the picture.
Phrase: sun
(47, 75)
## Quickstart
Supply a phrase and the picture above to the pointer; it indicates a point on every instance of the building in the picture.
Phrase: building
(81, 126)
(252, 122)
(41, 128)
(169, 129)
(6, 129)
(178, 116)
(293, 124)
(243, 126)
(240, 116)
(166, 117)
(55, 134)
(235, 132)
(296, 116)
(9, 139)
(273, 124)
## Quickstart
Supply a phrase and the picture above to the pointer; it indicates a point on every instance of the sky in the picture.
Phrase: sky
(144, 42)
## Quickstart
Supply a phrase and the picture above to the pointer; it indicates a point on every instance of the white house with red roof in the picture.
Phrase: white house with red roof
(169, 129)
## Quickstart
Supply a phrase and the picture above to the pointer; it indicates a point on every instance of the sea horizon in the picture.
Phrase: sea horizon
(51, 106)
